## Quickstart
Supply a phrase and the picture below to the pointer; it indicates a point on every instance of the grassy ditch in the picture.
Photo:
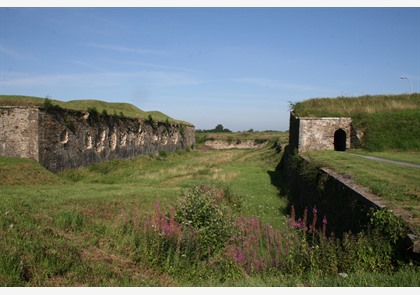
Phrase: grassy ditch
(198, 218)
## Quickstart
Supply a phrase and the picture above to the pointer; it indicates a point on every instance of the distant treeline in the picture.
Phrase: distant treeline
(218, 128)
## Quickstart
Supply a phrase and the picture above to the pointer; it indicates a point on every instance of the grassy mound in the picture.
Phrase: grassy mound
(20, 171)
(111, 108)
(389, 122)
(353, 106)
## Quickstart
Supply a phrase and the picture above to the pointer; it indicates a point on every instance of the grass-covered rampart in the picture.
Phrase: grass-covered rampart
(388, 121)
(101, 107)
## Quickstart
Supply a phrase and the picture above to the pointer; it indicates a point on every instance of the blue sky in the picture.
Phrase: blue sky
(239, 67)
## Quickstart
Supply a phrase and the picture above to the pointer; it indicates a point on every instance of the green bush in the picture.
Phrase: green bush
(201, 211)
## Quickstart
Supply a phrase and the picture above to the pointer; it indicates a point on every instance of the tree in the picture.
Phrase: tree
(219, 128)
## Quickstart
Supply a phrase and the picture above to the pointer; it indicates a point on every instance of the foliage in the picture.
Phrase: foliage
(218, 128)
(49, 106)
(388, 225)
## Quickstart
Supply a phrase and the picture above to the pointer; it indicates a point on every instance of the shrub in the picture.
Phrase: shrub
(49, 106)
(201, 212)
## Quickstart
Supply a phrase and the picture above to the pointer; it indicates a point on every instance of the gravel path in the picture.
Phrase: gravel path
(386, 160)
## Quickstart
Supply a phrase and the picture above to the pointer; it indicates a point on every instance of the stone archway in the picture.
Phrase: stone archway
(340, 137)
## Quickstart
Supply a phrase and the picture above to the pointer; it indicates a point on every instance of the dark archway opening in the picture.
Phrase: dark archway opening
(340, 140)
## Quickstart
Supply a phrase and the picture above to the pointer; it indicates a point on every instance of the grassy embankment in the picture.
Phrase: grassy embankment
(110, 108)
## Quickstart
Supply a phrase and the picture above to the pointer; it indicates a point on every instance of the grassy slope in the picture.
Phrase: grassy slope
(388, 121)
(19, 171)
(112, 108)
(351, 106)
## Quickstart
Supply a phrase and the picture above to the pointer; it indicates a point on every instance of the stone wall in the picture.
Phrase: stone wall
(346, 205)
(60, 139)
(19, 132)
(240, 144)
(307, 133)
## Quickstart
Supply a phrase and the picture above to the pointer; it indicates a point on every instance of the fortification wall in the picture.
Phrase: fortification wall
(19, 132)
(346, 205)
(68, 139)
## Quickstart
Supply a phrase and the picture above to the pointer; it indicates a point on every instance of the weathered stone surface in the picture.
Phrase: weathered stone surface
(18, 132)
(346, 204)
(62, 139)
(309, 133)
(243, 144)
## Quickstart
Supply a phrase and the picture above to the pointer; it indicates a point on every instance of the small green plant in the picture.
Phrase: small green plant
(151, 122)
(167, 125)
(182, 130)
(92, 111)
(69, 123)
(387, 224)
(49, 106)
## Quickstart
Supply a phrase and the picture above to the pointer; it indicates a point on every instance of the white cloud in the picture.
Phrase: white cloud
(124, 49)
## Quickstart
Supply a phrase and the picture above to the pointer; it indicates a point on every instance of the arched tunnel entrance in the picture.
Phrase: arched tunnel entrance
(340, 140)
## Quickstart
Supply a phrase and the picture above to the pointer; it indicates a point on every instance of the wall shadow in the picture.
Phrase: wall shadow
(277, 180)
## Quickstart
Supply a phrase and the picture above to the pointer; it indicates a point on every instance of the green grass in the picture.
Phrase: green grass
(111, 108)
(387, 121)
(21, 171)
(351, 106)
(397, 185)
(78, 227)
(395, 155)
(79, 214)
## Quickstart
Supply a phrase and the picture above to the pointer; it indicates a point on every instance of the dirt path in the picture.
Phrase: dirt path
(386, 160)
